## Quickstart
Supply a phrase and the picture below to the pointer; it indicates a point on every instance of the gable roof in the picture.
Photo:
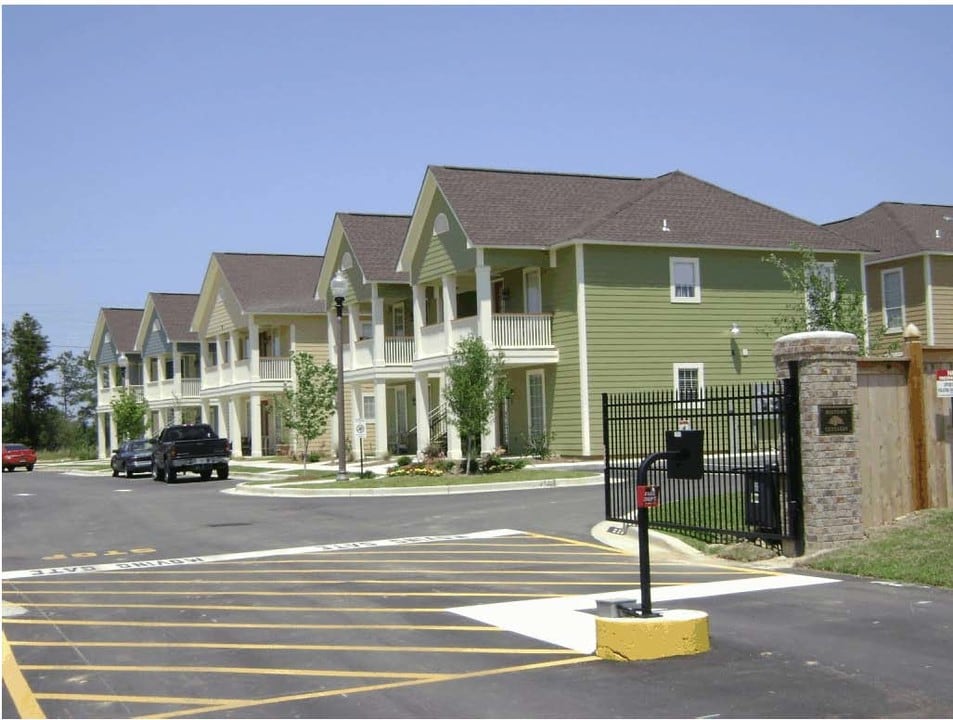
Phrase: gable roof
(264, 283)
(500, 208)
(375, 241)
(123, 324)
(175, 310)
(901, 229)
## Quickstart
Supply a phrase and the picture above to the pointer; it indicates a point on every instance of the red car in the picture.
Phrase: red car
(16, 455)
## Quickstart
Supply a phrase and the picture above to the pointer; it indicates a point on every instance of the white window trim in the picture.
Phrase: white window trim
(364, 398)
(696, 264)
(883, 300)
(699, 367)
(539, 284)
(541, 374)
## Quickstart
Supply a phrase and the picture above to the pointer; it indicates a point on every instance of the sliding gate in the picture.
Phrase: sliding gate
(751, 489)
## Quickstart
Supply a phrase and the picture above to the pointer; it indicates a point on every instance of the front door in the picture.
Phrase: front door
(399, 419)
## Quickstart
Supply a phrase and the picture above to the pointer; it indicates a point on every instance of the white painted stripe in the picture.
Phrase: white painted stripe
(195, 560)
(565, 622)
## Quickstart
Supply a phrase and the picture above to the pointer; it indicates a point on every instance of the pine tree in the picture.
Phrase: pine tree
(29, 389)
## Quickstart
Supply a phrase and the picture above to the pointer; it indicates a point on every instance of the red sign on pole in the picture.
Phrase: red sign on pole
(647, 496)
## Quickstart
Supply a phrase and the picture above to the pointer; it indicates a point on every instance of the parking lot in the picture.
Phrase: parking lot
(210, 635)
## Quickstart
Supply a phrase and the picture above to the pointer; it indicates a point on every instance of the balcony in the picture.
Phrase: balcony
(398, 352)
(523, 337)
(518, 330)
(274, 368)
(106, 395)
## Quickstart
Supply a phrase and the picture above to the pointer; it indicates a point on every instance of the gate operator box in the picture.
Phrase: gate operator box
(688, 464)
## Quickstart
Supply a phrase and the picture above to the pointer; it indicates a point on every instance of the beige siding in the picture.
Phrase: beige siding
(942, 280)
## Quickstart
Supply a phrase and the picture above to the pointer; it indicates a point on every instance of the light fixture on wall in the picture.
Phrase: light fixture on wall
(735, 330)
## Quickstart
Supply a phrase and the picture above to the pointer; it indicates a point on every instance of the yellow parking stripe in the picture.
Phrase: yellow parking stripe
(158, 699)
(192, 669)
(23, 698)
(250, 626)
(274, 593)
(387, 686)
(278, 646)
(237, 608)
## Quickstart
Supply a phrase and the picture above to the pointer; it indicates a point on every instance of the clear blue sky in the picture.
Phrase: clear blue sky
(139, 140)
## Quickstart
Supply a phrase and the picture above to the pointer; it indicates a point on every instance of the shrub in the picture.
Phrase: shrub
(414, 469)
(404, 460)
(494, 462)
(538, 444)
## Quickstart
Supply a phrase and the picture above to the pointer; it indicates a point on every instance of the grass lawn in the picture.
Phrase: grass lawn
(912, 549)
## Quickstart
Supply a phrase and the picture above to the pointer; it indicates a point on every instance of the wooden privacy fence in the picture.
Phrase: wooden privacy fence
(904, 432)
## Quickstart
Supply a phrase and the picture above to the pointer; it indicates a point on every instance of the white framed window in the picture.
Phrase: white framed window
(684, 280)
(155, 325)
(399, 323)
(225, 359)
(689, 380)
(367, 327)
(212, 349)
(368, 408)
(532, 291)
(891, 282)
(153, 369)
(536, 401)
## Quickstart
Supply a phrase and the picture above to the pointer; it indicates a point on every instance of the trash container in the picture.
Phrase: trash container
(762, 499)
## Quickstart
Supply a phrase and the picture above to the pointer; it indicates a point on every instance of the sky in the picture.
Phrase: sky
(138, 140)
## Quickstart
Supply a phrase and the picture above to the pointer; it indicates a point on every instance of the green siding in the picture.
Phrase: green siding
(443, 255)
(500, 259)
(635, 333)
(357, 291)
(562, 380)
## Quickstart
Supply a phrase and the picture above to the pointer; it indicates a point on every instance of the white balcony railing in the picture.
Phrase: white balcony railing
(517, 330)
(432, 341)
(398, 350)
(190, 387)
(274, 368)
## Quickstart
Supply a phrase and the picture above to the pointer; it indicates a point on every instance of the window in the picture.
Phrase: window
(689, 380)
(367, 327)
(105, 374)
(433, 307)
(535, 392)
(212, 353)
(400, 327)
(224, 351)
(369, 408)
(169, 369)
(892, 284)
(684, 280)
(153, 369)
(532, 291)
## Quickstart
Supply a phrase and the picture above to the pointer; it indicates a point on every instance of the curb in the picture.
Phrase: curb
(673, 633)
(345, 492)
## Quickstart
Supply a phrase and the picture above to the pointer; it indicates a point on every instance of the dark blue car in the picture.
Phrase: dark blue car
(133, 456)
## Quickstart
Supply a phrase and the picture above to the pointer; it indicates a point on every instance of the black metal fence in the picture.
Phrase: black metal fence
(751, 486)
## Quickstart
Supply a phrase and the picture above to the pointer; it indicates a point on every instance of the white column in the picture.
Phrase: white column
(113, 437)
(449, 302)
(357, 411)
(253, 349)
(101, 436)
(176, 371)
(255, 430)
(484, 290)
(234, 427)
(419, 316)
(219, 361)
(353, 325)
(488, 442)
(380, 418)
(206, 416)
(423, 420)
(377, 315)
(454, 447)
(232, 354)
(221, 422)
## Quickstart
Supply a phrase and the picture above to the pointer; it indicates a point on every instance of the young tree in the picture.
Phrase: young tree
(129, 414)
(30, 392)
(305, 408)
(821, 299)
(476, 385)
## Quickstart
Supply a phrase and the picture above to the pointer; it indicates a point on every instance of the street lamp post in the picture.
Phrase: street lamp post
(338, 291)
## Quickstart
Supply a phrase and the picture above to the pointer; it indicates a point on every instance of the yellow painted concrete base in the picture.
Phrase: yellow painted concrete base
(676, 632)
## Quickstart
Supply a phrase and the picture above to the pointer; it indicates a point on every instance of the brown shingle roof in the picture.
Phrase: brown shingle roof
(376, 241)
(175, 310)
(898, 229)
(265, 283)
(501, 208)
(123, 325)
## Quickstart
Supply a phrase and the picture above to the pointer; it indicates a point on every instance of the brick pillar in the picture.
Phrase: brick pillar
(827, 370)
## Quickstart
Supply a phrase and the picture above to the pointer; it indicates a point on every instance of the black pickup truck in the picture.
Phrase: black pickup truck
(190, 448)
